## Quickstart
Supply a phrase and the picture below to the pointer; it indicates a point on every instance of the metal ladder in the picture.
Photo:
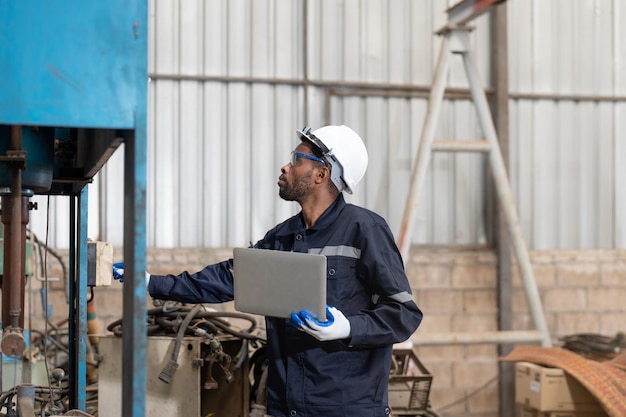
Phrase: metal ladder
(455, 40)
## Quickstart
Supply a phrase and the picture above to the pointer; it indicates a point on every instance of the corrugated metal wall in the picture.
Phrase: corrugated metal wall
(232, 80)
(568, 144)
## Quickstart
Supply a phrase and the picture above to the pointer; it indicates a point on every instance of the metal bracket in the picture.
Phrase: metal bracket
(15, 158)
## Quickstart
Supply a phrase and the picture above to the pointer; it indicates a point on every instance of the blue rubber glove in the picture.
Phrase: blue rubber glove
(336, 326)
(118, 273)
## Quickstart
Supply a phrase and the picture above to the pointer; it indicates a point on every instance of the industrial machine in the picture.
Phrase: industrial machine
(73, 85)
(198, 363)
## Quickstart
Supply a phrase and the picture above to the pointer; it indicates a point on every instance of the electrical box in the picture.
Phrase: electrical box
(99, 264)
(187, 394)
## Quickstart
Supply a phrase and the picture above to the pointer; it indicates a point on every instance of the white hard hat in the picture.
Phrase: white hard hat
(345, 151)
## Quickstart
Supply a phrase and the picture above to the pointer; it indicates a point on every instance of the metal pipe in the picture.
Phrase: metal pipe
(26, 400)
(418, 174)
(567, 97)
(470, 338)
(305, 59)
(15, 308)
(351, 88)
(417, 92)
(461, 146)
(355, 85)
(13, 342)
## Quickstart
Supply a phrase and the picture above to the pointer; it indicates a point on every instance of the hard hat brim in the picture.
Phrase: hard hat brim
(337, 168)
(317, 144)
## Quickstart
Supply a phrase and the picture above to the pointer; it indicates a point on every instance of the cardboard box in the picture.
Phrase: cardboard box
(551, 389)
(523, 411)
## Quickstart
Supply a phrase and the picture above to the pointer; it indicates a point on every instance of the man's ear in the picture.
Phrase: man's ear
(322, 174)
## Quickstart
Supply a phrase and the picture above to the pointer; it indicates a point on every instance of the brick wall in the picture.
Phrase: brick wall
(581, 291)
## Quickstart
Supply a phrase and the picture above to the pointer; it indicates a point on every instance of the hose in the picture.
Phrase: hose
(168, 372)
(164, 322)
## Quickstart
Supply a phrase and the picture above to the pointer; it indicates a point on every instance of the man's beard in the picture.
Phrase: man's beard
(297, 190)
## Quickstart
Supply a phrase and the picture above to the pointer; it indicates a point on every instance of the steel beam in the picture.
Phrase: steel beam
(466, 10)
(476, 338)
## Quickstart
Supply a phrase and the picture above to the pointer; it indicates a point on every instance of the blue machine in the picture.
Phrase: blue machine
(73, 86)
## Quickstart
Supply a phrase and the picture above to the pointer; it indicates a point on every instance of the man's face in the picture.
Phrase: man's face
(295, 180)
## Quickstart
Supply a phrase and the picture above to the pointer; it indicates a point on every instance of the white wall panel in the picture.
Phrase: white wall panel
(214, 207)
(619, 121)
(218, 145)
(229, 86)
(564, 142)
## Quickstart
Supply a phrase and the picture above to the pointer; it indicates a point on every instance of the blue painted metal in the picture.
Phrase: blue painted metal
(73, 313)
(39, 147)
(68, 63)
(135, 294)
(80, 387)
(78, 307)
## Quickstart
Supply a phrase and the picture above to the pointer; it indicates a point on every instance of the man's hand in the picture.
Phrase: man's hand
(118, 273)
(336, 326)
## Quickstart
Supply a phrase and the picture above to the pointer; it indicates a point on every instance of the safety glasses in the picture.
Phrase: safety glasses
(295, 157)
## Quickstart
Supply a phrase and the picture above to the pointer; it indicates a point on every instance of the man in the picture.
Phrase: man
(340, 366)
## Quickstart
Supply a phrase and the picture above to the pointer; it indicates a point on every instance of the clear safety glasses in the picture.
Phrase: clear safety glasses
(295, 157)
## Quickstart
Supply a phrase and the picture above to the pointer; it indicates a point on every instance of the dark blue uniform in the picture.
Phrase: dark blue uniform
(366, 281)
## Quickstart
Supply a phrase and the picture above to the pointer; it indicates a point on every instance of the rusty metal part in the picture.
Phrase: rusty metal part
(13, 342)
(15, 217)
(210, 382)
(17, 241)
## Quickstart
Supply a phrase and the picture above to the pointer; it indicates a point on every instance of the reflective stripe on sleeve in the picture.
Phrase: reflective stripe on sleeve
(342, 250)
(401, 297)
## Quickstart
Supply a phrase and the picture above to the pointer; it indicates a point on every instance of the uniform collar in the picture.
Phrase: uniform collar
(330, 214)
(327, 218)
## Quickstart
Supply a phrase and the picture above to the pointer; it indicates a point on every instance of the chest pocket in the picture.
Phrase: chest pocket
(344, 289)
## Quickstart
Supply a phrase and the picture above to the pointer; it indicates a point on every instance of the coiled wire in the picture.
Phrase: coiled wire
(595, 346)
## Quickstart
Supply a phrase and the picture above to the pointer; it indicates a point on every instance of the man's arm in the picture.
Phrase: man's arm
(395, 316)
(213, 284)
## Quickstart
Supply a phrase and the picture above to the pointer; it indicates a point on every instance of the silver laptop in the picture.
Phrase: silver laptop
(276, 283)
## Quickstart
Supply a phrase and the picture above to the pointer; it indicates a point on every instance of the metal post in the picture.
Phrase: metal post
(81, 300)
(135, 293)
(77, 324)
(72, 327)
(500, 111)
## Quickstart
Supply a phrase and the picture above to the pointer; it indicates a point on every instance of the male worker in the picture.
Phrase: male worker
(339, 366)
